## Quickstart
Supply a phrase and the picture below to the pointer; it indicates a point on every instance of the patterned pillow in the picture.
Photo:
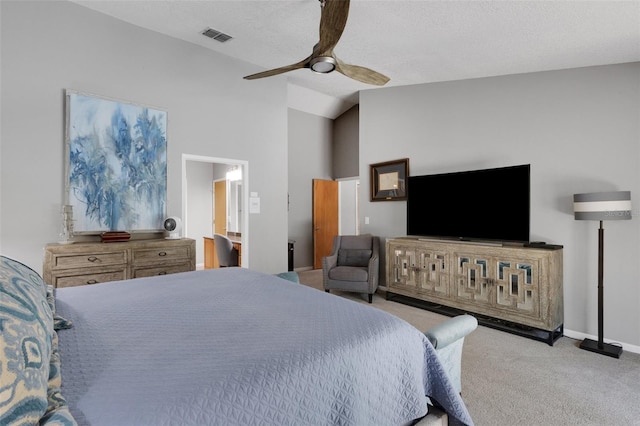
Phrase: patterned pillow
(57, 413)
(59, 323)
(27, 343)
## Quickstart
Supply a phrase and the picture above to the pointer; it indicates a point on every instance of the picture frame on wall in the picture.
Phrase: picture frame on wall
(115, 164)
(389, 180)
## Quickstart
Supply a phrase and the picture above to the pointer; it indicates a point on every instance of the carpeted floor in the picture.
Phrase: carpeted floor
(511, 380)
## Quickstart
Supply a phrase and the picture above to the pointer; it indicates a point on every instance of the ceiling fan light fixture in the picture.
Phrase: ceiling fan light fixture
(323, 64)
(333, 18)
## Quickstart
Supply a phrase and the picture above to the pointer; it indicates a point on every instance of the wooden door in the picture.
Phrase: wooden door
(325, 218)
(220, 207)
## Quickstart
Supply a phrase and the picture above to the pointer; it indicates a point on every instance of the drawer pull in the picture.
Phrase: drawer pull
(92, 282)
(92, 259)
(162, 253)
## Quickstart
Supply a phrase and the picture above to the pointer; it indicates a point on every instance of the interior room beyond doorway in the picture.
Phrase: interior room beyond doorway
(200, 176)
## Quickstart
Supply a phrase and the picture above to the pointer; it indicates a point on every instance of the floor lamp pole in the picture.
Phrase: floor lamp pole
(600, 287)
(599, 346)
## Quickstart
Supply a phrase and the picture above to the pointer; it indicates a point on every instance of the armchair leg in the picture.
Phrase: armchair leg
(370, 298)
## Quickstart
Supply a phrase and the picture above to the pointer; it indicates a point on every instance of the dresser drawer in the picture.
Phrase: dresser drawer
(161, 270)
(160, 254)
(89, 260)
(99, 277)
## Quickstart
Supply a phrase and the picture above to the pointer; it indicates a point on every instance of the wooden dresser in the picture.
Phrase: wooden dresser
(68, 265)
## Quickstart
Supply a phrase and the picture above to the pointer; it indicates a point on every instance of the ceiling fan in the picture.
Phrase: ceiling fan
(322, 60)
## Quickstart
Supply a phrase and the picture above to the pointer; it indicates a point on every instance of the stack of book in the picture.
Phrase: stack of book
(115, 236)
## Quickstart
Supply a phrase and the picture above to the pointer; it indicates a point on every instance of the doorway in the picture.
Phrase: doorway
(325, 218)
(198, 203)
(335, 212)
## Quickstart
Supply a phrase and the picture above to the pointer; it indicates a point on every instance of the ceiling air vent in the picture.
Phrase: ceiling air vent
(216, 35)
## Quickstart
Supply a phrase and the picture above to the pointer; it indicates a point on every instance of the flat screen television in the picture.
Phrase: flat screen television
(478, 205)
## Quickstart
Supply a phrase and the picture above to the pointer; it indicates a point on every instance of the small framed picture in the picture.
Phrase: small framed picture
(389, 180)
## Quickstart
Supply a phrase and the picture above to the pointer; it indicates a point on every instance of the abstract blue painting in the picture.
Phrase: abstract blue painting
(116, 164)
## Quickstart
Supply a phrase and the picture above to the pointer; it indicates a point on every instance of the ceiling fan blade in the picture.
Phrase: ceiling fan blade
(302, 64)
(332, 22)
(362, 74)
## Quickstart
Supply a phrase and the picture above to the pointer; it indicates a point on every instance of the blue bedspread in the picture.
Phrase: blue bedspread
(236, 347)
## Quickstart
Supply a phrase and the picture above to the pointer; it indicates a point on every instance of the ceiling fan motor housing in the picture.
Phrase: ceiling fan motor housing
(323, 64)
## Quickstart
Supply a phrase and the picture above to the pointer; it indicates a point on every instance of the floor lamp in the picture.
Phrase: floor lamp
(602, 206)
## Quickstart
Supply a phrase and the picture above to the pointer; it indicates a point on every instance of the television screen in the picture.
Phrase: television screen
(489, 204)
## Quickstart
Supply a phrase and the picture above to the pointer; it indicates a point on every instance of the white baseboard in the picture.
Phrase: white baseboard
(580, 336)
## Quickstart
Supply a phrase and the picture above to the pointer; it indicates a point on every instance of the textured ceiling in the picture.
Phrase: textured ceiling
(412, 42)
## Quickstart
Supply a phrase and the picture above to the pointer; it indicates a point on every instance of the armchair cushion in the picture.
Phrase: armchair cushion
(354, 257)
(349, 273)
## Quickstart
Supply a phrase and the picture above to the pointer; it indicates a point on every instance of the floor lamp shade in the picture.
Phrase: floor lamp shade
(601, 206)
(614, 205)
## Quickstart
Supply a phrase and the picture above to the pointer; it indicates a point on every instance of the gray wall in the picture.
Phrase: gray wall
(346, 139)
(579, 130)
(212, 112)
(319, 148)
(310, 157)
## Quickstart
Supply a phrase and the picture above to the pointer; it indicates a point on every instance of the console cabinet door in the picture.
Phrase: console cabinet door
(402, 273)
(509, 284)
(517, 286)
(419, 270)
(433, 273)
(473, 278)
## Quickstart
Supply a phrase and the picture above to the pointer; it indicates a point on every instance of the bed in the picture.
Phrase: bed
(230, 347)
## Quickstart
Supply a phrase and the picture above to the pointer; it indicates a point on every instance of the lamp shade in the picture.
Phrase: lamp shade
(614, 205)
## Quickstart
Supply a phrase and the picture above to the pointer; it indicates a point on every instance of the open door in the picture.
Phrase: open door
(325, 218)
(220, 207)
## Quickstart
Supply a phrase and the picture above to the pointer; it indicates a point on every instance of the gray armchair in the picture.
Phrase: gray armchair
(226, 253)
(447, 339)
(353, 264)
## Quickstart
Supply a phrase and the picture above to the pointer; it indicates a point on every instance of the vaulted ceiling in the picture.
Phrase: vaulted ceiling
(412, 42)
